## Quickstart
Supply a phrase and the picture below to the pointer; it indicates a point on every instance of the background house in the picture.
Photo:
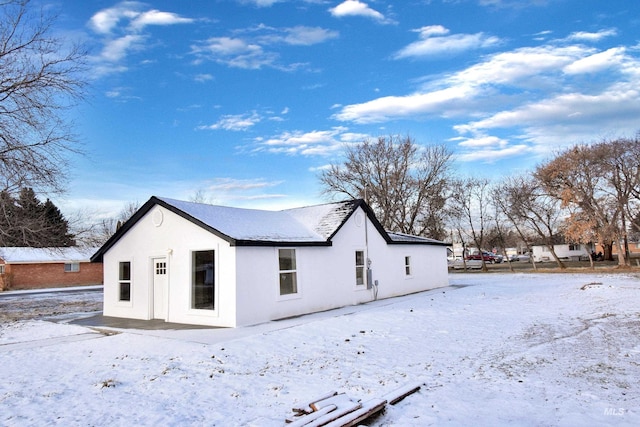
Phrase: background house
(220, 266)
(30, 268)
(564, 251)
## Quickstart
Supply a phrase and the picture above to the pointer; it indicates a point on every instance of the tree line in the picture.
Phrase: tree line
(584, 194)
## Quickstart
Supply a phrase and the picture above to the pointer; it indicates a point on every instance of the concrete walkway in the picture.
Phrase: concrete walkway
(118, 323)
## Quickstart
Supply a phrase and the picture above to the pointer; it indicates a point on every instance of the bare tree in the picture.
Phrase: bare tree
(470, 202)
(98, 233)
(538, 211)
(39, 80)
(600, 182)
(403, 182)
(503, 195)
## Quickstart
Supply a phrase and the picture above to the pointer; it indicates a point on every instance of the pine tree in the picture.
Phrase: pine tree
(57, 227)
(26, 221)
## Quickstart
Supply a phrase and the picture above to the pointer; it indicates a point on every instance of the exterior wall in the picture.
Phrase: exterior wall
(327, 275)
(49, 275)
(161, 233)
(543, 254)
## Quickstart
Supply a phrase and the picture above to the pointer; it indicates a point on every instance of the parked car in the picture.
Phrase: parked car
(471, 264)
(487, 256)
(521, 257)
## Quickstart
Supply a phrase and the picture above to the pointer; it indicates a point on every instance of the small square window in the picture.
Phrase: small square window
(71, 267)
(161, 268)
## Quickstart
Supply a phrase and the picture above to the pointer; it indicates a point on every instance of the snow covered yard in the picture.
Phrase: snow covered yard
(493, 349)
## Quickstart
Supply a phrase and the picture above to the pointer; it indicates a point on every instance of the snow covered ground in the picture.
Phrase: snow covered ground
(493, 349)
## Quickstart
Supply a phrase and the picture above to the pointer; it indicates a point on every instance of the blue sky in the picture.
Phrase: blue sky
(247, 100)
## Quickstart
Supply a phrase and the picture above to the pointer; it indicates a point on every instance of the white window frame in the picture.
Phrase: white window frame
(408, 271)
(122, 281)
(362, 266)
(294, 271)
(216, 302)
(71, 267)
(2, 268)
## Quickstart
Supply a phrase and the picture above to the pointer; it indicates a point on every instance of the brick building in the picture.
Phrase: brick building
(33, 268)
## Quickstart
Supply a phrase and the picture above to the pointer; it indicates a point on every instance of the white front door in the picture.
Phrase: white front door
(160, 288)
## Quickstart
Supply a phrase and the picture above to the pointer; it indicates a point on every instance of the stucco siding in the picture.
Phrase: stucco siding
(327, 275)
(175, 239)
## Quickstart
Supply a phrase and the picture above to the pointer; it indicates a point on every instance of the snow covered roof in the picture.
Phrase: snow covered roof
(24, 255)
(311, 225)
(408, 238)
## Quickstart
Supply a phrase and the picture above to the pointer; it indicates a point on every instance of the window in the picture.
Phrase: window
(161, 268)
(407, 266)
(1, 268)
(288, 275)
(71, 267)
(203, 283)
(574, 247)
(124, 281)
(359, 267)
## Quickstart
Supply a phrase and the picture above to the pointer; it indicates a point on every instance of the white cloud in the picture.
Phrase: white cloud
(488, 155)
(357, 8)
(121, 28)
(527, 100)
(307, 36)
(232, 184)
(239, 122)
(483, 141)
(201, 78)
(156, 17)
(235, 52)
(314, 143)
(564, 109)
(106, 20)
(597, 62)
(390, 107)
(115, 50)
(254, 48)
(592, 37)
(435, 41)
(521, 69)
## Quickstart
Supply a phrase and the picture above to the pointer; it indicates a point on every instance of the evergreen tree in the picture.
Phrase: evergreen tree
(57, 226)
(26, 221)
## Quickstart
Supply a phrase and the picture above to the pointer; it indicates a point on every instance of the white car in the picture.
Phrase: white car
(459, 264)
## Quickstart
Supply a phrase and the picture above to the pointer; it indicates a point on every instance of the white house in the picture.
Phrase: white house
(564, 251)
(210, 265)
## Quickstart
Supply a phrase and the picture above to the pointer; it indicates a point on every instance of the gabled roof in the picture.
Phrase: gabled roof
(25, 255)
(307, 226)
